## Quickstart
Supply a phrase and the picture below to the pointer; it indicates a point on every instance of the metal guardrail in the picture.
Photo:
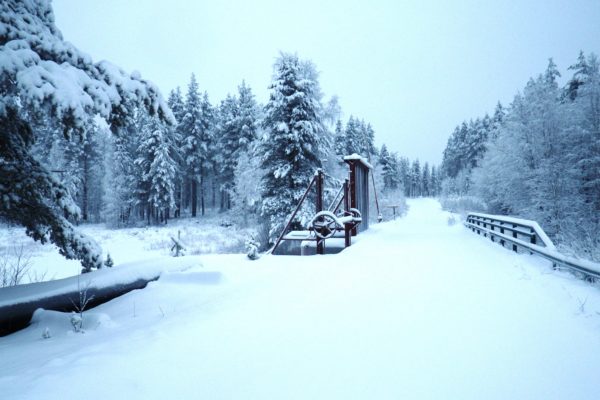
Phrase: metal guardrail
(527, 235)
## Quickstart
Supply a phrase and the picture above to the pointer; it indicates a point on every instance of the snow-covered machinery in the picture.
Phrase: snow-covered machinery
(325, 223)
(347, 214)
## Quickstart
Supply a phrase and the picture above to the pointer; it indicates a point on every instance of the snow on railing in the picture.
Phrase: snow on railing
(526, 234)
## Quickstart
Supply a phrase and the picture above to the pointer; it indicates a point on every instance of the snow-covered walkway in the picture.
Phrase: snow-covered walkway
(416, 309)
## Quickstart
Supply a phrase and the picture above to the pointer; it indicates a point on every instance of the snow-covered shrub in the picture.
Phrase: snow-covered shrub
(109, 261)
(77, 322)
(463, 204)
(252, 247)
(226, 223)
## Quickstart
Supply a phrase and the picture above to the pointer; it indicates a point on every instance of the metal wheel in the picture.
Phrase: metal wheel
(356, 214)
(325, 224)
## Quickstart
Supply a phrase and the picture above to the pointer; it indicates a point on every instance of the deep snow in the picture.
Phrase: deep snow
(415, 309)
(204, 235)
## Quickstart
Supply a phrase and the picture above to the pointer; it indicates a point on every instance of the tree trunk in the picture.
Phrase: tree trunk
(214, 193)
(202, 195)
(84, 200)
(195, 197)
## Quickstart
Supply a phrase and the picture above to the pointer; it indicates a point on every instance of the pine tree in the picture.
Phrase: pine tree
(162, 175)
(120, 180)
(191, 131)
(229, 140)
(352, 137)
(389, 166)
(237, 130)
(339, 140)
(435, 182)
(177, 105)
(415, 176)
(292, 145)
(404, 175)
(247, 118)
(426, 180)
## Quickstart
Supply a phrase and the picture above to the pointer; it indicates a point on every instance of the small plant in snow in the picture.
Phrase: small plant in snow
(46, 333)
(451, 220)
(582, 305)
(226, 223)
(252, 248)
(109, 261)
(14, 266)
(80, 305)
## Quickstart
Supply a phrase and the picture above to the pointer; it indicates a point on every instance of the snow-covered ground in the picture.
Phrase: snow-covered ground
(203, 235)
(416, 309)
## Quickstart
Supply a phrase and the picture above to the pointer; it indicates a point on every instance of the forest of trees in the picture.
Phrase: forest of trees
(239, 156)
(539, 158)
(86, 142)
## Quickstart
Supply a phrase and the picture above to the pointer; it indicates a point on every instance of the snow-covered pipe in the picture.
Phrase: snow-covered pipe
(18, 303)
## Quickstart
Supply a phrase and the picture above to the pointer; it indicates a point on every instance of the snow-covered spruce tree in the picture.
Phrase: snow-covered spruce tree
(208, 145)
(415, 179)
(291, 147)
(120, 179)
(41, 73)
(237, 130)
(248, 175)
(229, 139)
(389, 169)
(426, 180)
(162, 174)
(177, 105)
(434, 181)
(247, 118)
(358, 138)
(196, 129)
(352, 137)
(339, 140)
(404, 174)
(157, 171)
(190, 128)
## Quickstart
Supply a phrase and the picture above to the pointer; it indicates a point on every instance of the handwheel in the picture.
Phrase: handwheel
(356, 215)
(324, 224)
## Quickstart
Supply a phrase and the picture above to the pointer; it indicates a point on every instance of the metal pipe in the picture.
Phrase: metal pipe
(293, 214)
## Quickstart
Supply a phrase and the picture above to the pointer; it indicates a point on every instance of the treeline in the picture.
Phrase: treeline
(539, 158)
(413, 179)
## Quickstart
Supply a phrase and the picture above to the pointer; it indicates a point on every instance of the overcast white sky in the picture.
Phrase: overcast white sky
(414, 69)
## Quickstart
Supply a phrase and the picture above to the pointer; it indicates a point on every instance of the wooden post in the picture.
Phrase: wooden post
(352, 192)
(347, 230)
(319, 208)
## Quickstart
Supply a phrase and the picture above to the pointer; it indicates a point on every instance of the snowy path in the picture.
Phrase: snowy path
(416, 309)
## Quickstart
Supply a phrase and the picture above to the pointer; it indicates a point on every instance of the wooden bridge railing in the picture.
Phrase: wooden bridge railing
(525, 235)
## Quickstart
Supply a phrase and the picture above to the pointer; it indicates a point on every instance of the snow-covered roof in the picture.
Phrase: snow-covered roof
(358, 157)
